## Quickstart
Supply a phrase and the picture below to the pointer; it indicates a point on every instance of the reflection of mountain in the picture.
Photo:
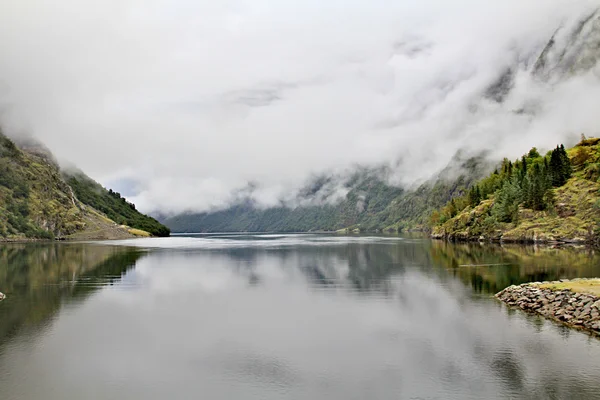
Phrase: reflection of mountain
(39, 278)
(369, 267)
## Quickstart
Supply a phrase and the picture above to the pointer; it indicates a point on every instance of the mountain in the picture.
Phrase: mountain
(111, 204)
(571, 50)
(39, 201)
(550, 198)
(366, 200)
(369, 204)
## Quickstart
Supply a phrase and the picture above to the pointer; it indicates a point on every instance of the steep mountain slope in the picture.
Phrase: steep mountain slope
(111, 204)
(371, 204)
(571, 50)
(37, 202)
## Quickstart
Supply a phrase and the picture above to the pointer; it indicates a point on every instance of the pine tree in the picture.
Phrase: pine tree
(523, 167)
(557, 168)
(474, 196)
(507, 199)
(567, 170)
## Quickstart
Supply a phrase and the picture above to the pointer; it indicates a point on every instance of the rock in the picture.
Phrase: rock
(581, 310)
(585, 311)
(2, 296)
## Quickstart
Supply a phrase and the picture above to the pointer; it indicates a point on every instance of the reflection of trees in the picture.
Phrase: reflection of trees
(38, 278)
(490, 268)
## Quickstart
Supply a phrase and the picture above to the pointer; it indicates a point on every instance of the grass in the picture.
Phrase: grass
(139, 232)
(591, 286)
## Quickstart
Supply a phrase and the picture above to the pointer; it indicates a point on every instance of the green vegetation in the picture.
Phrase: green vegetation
(363, 206)
(111, 203)
(37, 203)
(34, 202)
(555, 197)
(591, 286)
(370, 205)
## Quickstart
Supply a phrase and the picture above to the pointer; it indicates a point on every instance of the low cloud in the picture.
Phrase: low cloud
(186, 103)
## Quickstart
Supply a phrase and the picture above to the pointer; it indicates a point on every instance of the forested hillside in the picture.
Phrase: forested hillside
(370, 205)
(551, 197)
(37, 203)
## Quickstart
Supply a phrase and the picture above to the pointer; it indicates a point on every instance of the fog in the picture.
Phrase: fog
(180, 104)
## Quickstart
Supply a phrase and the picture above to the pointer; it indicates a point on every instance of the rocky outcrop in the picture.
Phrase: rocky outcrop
(576, 310)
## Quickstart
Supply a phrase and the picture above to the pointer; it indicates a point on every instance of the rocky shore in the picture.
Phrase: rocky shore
(558, 302)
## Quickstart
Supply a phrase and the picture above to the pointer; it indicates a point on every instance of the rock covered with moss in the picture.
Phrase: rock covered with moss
(574, 309)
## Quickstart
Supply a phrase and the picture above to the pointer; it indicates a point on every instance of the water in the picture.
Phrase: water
(285, 317)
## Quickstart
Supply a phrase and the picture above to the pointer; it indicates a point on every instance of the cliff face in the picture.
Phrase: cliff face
(571, 50)
(37, 203)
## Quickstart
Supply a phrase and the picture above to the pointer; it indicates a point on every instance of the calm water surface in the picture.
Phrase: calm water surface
(285, 317)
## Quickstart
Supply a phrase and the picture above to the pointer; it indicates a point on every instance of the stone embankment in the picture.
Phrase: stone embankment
(556, 301)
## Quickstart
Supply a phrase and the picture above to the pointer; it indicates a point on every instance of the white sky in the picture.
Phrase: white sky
(178, 103)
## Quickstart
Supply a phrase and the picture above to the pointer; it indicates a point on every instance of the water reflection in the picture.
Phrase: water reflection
(39, 278)
(292, 317)
(491, 268)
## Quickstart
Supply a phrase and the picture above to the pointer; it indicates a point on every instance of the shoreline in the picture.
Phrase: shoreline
(63, 240)
(591, 244)
(574, 303)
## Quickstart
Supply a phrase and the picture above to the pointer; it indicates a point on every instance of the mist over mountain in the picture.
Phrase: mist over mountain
(193, 107)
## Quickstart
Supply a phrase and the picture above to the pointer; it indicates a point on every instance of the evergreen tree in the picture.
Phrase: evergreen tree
(506, 206)
(567, 170)
(523, 168)
(558, 171)
(474, 196)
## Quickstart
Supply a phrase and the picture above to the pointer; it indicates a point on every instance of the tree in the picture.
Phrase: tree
(533, 153)
(560, 166)
(567, 169)
(474, 196)
(506, 205)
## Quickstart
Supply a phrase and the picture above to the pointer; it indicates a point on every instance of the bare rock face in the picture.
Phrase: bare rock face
(577, 310)
(572, 49)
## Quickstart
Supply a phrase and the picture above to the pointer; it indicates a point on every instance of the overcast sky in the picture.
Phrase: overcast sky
(179, 102)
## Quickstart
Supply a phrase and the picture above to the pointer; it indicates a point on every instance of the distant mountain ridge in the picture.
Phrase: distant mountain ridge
(370, 204)
(39, 201)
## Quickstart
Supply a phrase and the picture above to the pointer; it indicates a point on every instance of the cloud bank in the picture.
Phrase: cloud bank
(180, 104)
